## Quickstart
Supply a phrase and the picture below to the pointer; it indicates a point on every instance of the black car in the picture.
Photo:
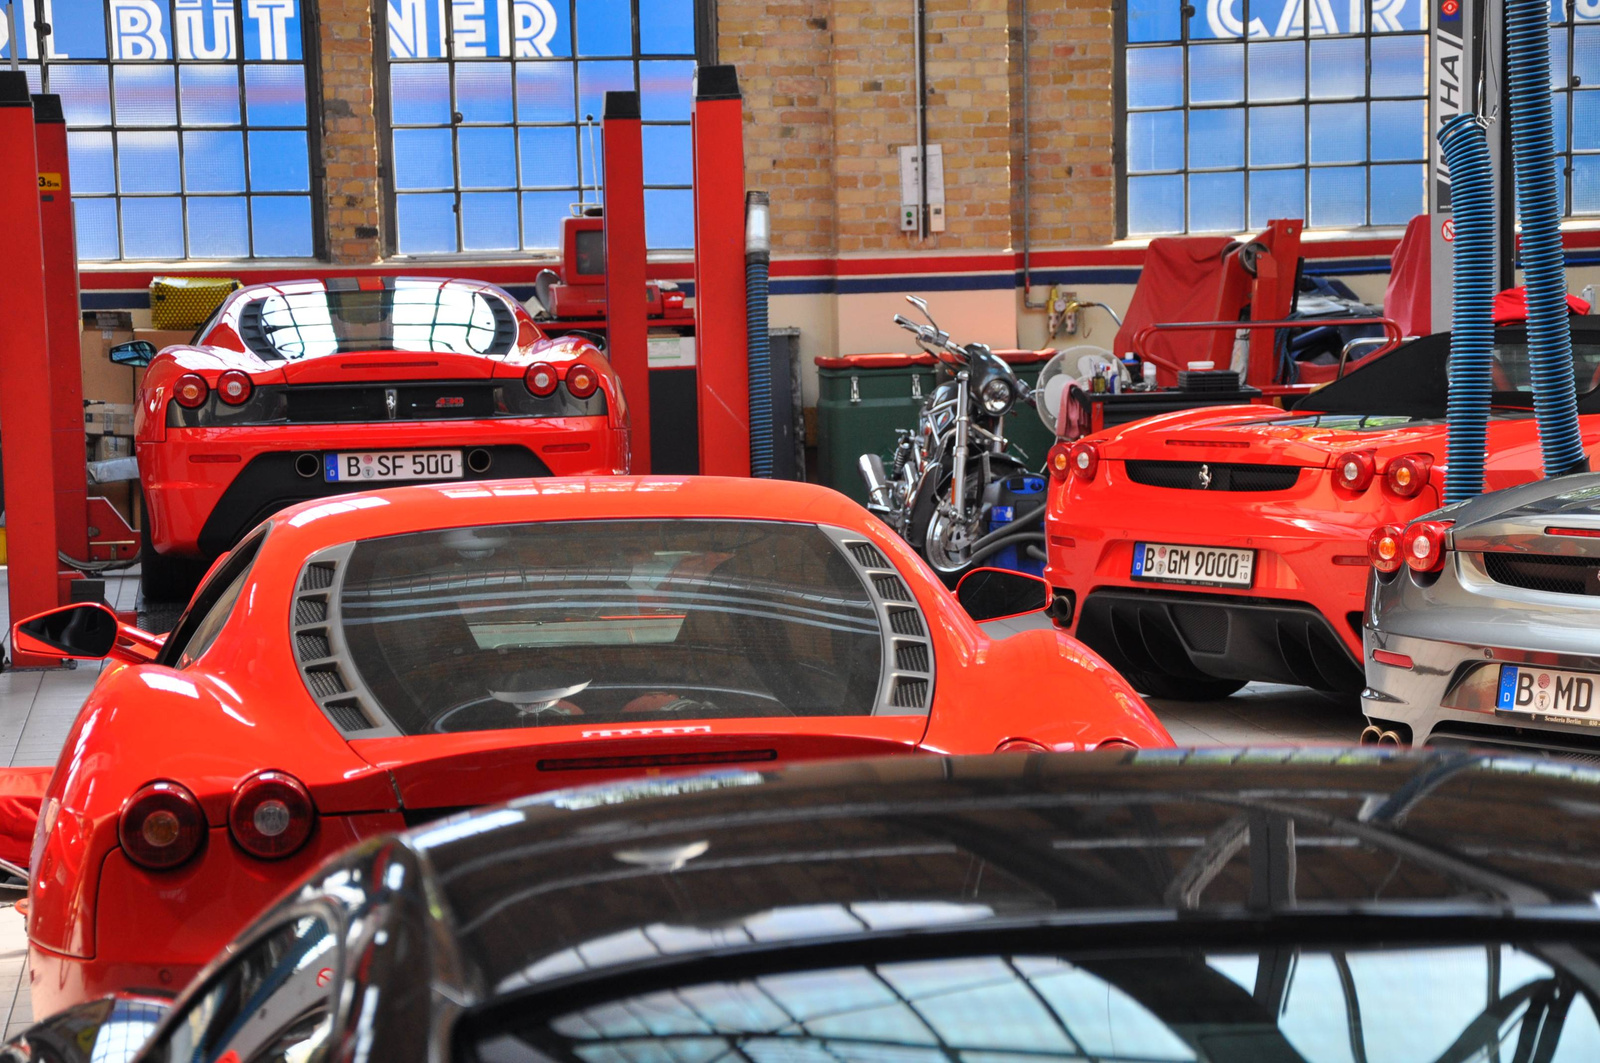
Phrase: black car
(1219, 905)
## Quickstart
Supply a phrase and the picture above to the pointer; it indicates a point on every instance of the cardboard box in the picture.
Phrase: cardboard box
(108, 419)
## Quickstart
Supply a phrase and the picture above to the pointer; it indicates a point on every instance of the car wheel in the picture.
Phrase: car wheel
(166, 579)
(1175, 688)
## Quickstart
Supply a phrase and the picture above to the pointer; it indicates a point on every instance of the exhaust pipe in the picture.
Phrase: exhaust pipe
(1370, 735)
(308, 465)
(877, 481)
(1391, 739)
(479, 460)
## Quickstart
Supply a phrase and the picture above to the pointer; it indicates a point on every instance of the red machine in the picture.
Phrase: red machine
(575, 297)
(377, 660)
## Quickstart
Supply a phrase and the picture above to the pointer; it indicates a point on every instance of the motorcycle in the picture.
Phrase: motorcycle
(951, 476)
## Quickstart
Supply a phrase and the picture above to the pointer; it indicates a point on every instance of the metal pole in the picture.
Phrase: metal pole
(919, 36)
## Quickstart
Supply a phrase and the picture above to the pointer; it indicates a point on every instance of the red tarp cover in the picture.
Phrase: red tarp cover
(21, 794)
(1408, 300)
(1512, 305)
(1181, 281)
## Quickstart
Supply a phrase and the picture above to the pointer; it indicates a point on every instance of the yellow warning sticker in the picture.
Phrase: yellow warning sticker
(49, 182)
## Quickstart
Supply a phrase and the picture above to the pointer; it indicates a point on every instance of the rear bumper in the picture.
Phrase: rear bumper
(1217, 636)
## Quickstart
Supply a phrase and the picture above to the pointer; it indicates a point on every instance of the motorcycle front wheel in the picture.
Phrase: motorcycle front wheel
(948, 544)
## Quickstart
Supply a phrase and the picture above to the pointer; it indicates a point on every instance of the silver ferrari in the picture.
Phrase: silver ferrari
(1483, 623)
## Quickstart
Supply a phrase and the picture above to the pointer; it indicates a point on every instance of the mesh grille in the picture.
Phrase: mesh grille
(1186, 475)
(1537, 572)
(911, 657)
(891, 589)
(311, 646)
(324, 682)
(347, 715)
(1204, 627)
(867, 556)
(905, 622)
(909, 693)
(318, 577)
(310, 611)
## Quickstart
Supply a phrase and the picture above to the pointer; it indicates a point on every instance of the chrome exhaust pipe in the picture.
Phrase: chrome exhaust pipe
(1370, 735)
(877, 481)
(1391, 739)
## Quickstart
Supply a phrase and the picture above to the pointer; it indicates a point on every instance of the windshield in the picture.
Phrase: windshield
(530, 625)
(1476, 1003)
(408, 317)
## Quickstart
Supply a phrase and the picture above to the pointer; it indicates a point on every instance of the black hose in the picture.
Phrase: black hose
(1009, 528)
(1015, 539)
(1037, 554)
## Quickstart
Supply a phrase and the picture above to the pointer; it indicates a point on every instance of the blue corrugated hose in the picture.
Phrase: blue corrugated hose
(1555, 399)
(1466, 152)
(760, 346)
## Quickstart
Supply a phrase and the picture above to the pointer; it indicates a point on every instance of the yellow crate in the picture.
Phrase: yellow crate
(186, 302)
(2, 546)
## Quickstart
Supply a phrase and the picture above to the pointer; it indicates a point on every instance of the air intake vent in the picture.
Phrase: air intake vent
(911, 656)
(311, 645)
(1553, 574)
(347, 715)
(867, 556)
(324, 682)
(310, 611)
(905, 622)
(891, 589)
(317, 577)
(909, 693)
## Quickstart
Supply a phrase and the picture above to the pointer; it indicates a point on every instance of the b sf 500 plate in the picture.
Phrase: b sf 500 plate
(393, 465)
(1565, 696)
(1205, 566)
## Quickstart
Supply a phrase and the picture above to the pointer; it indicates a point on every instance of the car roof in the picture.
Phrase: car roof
(594, 882)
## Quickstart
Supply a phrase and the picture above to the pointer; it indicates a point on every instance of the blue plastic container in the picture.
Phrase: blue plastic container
(1023, 492)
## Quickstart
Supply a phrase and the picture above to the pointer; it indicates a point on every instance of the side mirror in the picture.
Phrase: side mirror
(999, 593)
(136, 353)
(87, 630)
(111, 1029)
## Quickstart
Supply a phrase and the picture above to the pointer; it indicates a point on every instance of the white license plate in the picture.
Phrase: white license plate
(1547, 692)
(1207, 566)
(391, 465)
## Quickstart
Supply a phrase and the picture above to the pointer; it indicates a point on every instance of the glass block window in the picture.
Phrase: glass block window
(1235, 112)
(1575, 80)
(186, 124)
(488, 143)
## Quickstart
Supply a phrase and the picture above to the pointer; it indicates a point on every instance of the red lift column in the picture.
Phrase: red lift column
(25, 436)
(627, 325)
(719, 310)
(63, 316)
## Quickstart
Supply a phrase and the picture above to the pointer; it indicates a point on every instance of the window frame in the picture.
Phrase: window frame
(1569, 92)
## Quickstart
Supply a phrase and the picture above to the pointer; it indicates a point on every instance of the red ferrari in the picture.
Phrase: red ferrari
(1200, 550)
(306, 389)
(371, 662)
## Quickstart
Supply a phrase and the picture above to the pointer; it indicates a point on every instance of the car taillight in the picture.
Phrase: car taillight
(1021, 745)
(161, 826)
(1407, 475)
(1354, 471)
(1117, 743)
(1085, 460)
(541, 379)
(1423, 545)
(190, 390)
(234, 387)
(1383, 548)
(271, 815)
(1059, 460)
(581, 381)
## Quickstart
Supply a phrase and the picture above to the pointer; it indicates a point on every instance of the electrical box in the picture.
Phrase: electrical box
(908, 217)
(911, 202)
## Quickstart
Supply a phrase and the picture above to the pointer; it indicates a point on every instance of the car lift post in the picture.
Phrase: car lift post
(63, 317)
(25, 368)
(627, 312)
(719, 296)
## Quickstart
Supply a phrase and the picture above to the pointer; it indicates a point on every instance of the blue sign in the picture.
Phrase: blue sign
(1508, 688)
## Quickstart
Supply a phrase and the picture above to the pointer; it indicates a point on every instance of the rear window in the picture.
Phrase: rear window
(420, 318)
(533, 625)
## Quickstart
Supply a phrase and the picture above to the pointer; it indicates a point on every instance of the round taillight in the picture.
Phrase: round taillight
(1383, 548)
(1422, 546)
(1121, 745)
(161, 826)
(1406, 476)
(1354, 471)
(581, 381)
(271, 815)
(1021, 745)
(234, 387)
(190, 390)
(541, 379)
(1059, 461)
(1084, 459)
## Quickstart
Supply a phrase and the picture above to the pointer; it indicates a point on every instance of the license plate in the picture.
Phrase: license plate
(1207, 566)
(392, 465)
(1547, 692)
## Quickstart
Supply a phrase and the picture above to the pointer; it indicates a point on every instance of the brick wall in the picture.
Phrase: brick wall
(349, 132)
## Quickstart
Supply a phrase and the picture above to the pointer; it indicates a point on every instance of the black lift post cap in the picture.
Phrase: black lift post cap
(716, 83)
(47, 108)
(621, 104)
(14, 89)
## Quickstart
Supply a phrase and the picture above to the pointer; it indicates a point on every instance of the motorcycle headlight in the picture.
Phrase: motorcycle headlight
(996, 396)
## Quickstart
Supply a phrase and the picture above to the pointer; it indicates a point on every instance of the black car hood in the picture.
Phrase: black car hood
(580, 882)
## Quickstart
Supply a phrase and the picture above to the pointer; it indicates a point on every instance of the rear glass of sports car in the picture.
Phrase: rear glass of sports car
(422, 318)
(533, 625)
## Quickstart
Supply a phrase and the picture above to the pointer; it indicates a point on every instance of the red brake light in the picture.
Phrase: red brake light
(1423, 545)
(1383, 548)
(234, 387)
(581, 381)
(190, 390)
(1408, 475)
(1058, 461)
(541, 379)
(161, 825)
(271, 815)
(1021, 745)
(1085, 460)
(1354, 471)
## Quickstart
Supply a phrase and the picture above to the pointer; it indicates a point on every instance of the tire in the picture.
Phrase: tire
(1174, 688)
(163, 579)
